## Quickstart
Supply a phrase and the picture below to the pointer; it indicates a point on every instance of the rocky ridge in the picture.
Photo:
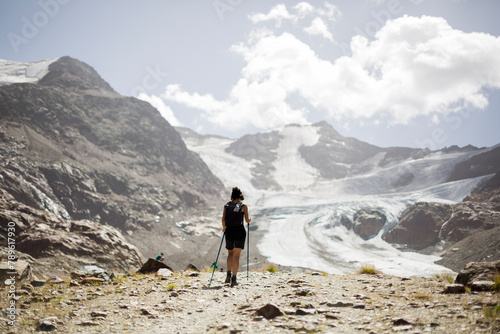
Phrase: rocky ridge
(334, 156)
(75, 149)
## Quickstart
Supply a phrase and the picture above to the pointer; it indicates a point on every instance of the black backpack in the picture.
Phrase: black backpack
(234, 214)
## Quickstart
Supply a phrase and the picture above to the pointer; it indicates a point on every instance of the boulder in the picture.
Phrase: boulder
(454, 288)
(90, 271)
(478, 271)
(192, 267)
(368, 223)
(482, 285)
(419, 225)
(46, 326)
(152, 266)
(19, 270)
(470, 218)
(164, 272)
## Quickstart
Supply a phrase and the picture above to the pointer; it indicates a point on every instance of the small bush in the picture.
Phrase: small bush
(493, 312)
(170, 287)
(271, 268)
(119, 279)
(445, 276)
(368, 269)
(207, 269)
(496, 283)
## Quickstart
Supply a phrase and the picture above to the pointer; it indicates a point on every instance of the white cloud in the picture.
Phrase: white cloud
(330, 12)
(414, 66)
(278, 13)
(303, 9)
(261, 105)
(300, 13)
(318, 27)
(164, 110)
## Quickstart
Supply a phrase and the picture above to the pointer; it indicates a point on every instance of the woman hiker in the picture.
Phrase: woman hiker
(234, 230)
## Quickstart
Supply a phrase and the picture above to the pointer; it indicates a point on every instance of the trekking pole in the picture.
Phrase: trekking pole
(248, 248)
(215, 263)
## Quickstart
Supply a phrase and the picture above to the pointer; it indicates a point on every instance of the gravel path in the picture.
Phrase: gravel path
(310, 302)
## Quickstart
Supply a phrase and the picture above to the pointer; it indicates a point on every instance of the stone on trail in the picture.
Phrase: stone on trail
(340, 304)
(98, 314)
(269, 311)
(454, 288)
(92, 280)
(87, 323)
(46, 326)
(55, 280)
(305, 311)
(37, 283)
(164, 272)
(482, 285)
(90, 271)
(401, 322)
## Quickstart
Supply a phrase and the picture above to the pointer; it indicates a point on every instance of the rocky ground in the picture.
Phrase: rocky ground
(309, 302)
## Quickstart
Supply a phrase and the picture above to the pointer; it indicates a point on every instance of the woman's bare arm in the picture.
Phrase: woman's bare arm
(245, 210)
(224, 220)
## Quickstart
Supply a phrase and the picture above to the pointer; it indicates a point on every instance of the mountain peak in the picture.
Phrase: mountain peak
(69, 72)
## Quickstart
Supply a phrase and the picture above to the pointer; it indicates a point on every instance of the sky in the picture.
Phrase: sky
(413, 73)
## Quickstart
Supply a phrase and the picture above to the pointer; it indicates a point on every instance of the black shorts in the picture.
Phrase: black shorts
(235, 237)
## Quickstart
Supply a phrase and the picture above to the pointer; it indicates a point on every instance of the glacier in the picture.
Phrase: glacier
(301, 223)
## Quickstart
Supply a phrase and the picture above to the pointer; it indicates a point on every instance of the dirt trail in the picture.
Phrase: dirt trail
(311, 302)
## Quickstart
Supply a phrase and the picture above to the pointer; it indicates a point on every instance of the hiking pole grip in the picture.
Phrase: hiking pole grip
(217, 259)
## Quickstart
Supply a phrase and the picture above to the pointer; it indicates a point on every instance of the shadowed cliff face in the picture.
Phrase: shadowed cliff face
(468, 231)
(72, 146)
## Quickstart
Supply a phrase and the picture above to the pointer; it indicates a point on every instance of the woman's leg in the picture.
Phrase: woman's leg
(230, 259)
(235, 261)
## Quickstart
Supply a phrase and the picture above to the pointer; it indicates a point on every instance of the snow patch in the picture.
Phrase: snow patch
(233, 171)
(292, 171)
(18, 72)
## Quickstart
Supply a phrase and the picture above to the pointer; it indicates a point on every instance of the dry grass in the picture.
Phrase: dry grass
(368, 269)
(270, 267)
(493, 312)
(496, 283)
(446, 276)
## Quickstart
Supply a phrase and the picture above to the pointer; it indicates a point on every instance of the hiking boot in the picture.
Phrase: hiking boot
(228, 277)
(233, 281)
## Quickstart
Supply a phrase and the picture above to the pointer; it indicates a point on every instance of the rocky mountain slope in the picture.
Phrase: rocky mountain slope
(468, 231)
(324, 155)
(77, 157)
